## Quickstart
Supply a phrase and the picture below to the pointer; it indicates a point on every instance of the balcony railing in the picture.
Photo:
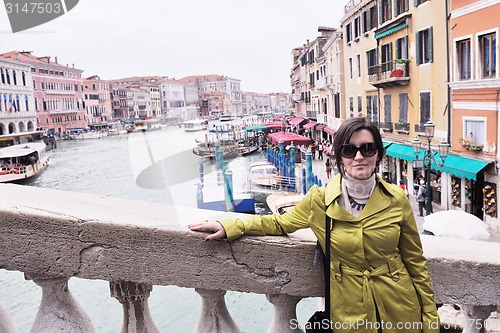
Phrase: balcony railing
(136, 245)
(389, 74)
(402, 127)
(387, 126)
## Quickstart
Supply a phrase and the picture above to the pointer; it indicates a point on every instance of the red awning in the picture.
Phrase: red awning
(275, 124)
(288, 138)
(320, 127)
(329, 130)
(296, 121)
(310, 125)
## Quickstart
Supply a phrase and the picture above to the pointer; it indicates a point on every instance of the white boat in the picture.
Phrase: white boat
(195, 125)
(226, 117)
(21, 162)
(264, 174)
(147, 125)
(282, 202)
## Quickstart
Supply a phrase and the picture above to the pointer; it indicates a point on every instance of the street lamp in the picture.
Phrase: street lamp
(429, 157)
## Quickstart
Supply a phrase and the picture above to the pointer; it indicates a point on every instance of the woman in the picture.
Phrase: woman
(328, 165)
(380, 282)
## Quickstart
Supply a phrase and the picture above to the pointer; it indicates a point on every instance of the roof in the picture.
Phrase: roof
(21, 150)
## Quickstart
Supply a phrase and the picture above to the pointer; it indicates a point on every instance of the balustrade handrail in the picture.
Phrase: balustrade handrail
(65, 234)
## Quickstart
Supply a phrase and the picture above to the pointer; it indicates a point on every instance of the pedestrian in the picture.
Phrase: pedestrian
(320, 151)
(379, 274)
(329, 167)
(404, 188)
(421, 197)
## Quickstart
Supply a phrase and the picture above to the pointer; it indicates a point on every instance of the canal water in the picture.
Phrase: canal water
(155, 166)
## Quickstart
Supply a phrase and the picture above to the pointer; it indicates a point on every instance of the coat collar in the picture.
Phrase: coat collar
(379, 200)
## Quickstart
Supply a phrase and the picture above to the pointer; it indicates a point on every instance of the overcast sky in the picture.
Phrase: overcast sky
(246, 40)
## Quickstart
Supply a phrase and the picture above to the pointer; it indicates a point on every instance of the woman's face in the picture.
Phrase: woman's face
(359, 166)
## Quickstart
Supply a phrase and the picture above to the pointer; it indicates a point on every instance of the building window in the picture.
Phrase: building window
(3, 75)
(371, 59)
(387, 108)
(385, 10)
(7, 75)
(419, 2)
(401, 6)
(369, 19)
(372, 108)
(475, 131)
(464, 60)
(425, 107)
(360, 106)
(403, 108)
(487, 49)
(351, 107)
(348, 32)
(358, 59)
(402, 48)
(424, 46)
(350, 68)
(357, 27)
(14, 77)
(24, 79)
(386, 57)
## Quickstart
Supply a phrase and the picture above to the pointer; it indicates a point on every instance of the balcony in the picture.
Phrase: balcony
(311, 114)
(402, 127)
(59, 92)
(136, 245)
(387, 126)
(390, 74)
(322, 83)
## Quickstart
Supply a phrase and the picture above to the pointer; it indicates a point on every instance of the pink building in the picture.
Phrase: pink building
(97, 98)
(58, 92)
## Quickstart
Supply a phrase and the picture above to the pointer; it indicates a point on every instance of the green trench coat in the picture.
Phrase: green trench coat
(379, 277)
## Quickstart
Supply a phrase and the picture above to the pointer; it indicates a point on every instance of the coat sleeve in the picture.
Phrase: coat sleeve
(258, 225)
(411, 251)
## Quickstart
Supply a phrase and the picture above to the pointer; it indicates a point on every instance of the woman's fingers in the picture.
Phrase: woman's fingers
(209, 226)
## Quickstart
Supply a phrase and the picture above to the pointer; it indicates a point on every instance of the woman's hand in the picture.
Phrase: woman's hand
(208, 226)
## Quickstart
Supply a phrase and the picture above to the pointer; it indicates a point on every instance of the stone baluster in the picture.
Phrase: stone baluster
(59, 311)
(214, 316)
(134, 299)
(284, 313)
(475, 317)
(6, 322)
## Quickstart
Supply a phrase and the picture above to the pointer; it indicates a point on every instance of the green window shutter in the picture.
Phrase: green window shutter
(431, 56)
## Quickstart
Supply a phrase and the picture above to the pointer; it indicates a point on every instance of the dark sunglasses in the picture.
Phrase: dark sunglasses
(366, 149)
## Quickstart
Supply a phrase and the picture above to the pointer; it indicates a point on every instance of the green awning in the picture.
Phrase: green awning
(254, 128)
(459, 166)
(400, 151)
(390, 30)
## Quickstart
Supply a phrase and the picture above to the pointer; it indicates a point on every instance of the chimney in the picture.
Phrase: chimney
(73, 65)
(55, 60)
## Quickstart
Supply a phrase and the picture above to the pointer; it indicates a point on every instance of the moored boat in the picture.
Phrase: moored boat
(264, 174)
(195, 125)
(147, 125)
(21, 162)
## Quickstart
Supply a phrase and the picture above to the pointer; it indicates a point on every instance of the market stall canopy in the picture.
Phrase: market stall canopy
(310, 125)
(275, 125)
(296, 121)
(288, 138)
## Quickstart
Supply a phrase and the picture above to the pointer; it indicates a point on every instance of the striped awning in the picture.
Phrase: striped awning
(296, 121)
(392, 30)
(329, 130)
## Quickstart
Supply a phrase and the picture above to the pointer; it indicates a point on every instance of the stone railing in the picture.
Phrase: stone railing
(52, 236)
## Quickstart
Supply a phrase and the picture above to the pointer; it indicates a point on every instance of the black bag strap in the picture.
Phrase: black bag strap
(326, 265)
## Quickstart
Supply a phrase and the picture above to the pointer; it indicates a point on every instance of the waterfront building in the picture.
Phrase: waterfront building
(219, 83)
(119, 102)
(281, 102)
(97, 99)
(17, 100)
(332, 89)
(58, 92)
(253, 103)
(139, 101)
(214, 103)
(475, 96)
(179, 99)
